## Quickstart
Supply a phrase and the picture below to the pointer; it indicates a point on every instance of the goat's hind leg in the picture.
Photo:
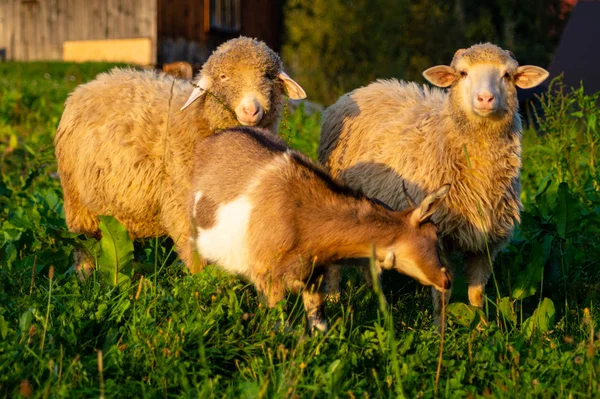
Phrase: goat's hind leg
(332, 283)
(313, 298)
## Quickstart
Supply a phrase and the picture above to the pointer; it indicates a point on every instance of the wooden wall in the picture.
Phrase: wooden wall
(263, 19)
(184, 32)
(36, 29)
(179, 29)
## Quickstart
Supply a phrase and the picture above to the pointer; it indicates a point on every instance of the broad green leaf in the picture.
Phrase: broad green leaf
(333, 366)
(542, 319)
(591, 122)
(506, 308)
(3, 327)
(116, 250)
(25, 320)
(567, 212)
(465, 315)
(544, 184)
(528, 280)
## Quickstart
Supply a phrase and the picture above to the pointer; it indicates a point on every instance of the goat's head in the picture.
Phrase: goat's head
(416, 251)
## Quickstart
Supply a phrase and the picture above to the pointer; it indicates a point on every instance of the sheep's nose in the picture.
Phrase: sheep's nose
(485, 98)
(250, 110)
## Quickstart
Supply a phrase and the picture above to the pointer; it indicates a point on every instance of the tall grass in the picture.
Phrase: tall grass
(162, 332)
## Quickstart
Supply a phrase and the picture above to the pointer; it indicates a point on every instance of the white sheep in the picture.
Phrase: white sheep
(378, 137)
(265, 212)
(124, 148)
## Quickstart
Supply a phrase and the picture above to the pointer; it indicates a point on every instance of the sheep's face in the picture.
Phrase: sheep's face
(483, 80)
(416, 253)
(243, 84)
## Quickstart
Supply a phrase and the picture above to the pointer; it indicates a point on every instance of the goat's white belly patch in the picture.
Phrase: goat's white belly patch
(225, 242)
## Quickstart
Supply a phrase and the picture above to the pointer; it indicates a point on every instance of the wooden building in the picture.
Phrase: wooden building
(138, 31)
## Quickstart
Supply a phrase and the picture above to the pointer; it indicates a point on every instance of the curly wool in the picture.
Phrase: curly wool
(241, 57)
(378, 136)
(124, 148)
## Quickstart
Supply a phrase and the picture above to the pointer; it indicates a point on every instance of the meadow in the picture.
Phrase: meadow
(150, 329)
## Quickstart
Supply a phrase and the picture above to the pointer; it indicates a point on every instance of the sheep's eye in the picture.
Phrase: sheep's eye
(463, 74)
(270, 76)
(223, 77)
(506, 75)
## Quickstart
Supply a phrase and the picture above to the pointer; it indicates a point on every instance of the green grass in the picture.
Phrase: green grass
(171, 334)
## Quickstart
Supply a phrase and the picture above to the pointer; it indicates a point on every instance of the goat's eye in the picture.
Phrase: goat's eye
(463, 74)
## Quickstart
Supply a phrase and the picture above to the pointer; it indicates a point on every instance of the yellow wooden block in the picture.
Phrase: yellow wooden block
(131, 51)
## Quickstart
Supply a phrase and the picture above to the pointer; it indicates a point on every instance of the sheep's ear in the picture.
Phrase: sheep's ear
(428, 206)
(441, 75)
(199, 90)
(294, 90)
(528, 76)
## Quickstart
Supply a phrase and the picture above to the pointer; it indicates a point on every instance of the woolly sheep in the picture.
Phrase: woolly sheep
(124, 147)
(378, 137)
(266, 212)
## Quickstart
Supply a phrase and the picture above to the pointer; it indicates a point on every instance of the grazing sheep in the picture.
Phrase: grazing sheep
(266, 212)
(179, 69)
(378, 137)
(124, 147)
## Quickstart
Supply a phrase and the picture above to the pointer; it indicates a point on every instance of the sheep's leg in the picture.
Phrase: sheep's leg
(176, 222)
(188, 255)
(84, 263)
(79, 218)
(313, 297)
(82, 221)
(478, 271)
(332, 283)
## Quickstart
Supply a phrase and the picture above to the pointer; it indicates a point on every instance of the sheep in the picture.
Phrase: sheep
(378, 137)
(125, 140)
(267, 213)
(179, 69)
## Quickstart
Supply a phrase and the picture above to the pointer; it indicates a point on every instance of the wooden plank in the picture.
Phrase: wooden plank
(6, 27)
(132, 51)
(16, 39)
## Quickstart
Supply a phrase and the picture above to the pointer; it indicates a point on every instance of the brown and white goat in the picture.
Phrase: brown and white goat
(267, 213)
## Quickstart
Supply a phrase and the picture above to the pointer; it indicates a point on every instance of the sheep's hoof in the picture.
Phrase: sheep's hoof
(84, 264)
(316, 323)
(333, 298)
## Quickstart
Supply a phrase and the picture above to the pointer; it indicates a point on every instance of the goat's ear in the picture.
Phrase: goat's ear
(428, 206)
(203, 84)
(390, 259)
(441, 75)
(528, 76)
(294, 90)
(387, 263)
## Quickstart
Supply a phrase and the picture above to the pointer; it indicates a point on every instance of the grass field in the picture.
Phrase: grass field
(171, 334)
